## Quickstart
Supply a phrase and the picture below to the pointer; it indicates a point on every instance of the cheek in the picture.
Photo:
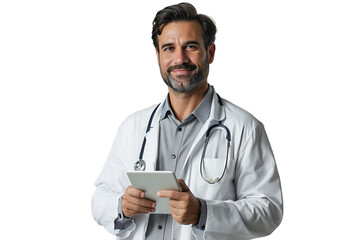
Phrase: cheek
(197, 59)
(165, 61)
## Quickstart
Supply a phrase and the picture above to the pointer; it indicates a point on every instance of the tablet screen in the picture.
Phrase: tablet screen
(151, 183)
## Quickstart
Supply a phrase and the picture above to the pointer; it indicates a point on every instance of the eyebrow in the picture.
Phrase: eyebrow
(192, 42)
(167, 45)
(187, 43)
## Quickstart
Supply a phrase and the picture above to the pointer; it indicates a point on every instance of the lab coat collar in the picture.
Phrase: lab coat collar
(217, 108)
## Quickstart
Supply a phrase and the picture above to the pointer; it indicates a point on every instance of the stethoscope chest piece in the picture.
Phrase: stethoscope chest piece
(140, 165)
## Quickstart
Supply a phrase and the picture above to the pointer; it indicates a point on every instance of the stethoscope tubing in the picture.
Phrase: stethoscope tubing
(140, 165)
(207, 137)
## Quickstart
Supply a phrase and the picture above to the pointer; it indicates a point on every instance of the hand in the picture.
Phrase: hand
(184, 207)
(134, 202)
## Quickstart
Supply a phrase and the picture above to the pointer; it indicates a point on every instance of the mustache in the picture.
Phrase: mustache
(182, 66)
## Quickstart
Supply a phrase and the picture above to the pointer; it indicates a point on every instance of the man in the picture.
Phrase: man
(230, 190)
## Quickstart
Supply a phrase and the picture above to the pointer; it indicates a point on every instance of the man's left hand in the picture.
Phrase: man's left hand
(184, 206)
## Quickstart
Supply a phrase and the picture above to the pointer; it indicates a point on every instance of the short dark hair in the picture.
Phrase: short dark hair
(183, 12)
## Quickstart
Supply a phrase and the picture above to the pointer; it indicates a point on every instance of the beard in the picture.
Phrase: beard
(179, 82)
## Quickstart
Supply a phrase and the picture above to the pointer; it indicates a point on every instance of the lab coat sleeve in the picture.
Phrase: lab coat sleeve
(110, 186)
(258, 209)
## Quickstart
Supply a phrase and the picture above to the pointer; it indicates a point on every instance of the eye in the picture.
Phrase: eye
(167, 49)
(191, 47)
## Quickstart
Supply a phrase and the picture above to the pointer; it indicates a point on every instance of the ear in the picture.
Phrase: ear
(211, 52)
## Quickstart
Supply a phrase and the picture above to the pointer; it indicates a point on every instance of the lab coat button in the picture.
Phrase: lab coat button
(179, 129)
(159, 227)
(173, 156)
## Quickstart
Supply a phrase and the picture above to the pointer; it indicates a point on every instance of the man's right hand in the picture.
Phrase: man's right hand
(134, 202)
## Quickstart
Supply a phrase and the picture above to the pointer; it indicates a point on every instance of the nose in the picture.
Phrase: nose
(181, 56)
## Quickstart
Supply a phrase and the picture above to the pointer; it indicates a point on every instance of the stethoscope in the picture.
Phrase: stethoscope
(140, 165)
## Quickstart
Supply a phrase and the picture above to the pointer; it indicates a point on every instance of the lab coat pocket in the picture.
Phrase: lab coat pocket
(213, 169)
(221, 174)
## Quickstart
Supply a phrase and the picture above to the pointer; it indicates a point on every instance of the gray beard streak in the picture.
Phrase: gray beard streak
(193, 83)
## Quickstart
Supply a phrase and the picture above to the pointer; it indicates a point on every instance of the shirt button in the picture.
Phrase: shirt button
(179, 129)
(173, 156)
(159, 227)
(203, 228)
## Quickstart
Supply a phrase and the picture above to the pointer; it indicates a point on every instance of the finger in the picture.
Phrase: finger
(179, 216)
(138, 201)
(131, 212)
(136, 209)
(176, 213)
(184, 216)
(183, 186)
(177, 204)
(134, 192)
(169, 194)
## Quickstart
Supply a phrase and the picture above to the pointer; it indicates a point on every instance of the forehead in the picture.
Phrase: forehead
(182, 31)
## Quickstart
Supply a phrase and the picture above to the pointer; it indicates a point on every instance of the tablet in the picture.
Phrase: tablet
(151, 183)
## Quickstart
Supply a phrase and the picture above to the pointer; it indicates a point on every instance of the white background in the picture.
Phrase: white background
(72, 70)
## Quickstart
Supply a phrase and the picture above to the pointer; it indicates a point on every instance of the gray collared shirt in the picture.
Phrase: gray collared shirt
(176, 139)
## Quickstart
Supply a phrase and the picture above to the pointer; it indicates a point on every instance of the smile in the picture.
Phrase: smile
(183, 68)
(181, 71)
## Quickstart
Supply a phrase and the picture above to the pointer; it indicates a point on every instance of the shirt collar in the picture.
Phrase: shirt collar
(166, 109)
(201, 112)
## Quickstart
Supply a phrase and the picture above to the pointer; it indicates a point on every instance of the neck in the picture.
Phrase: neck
(183, 104)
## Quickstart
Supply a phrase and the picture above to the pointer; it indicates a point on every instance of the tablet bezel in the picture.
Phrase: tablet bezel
(151, 182)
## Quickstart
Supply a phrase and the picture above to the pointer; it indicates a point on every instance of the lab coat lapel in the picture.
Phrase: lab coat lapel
(217, 113)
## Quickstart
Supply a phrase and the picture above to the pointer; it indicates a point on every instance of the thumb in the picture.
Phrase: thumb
(183, 186)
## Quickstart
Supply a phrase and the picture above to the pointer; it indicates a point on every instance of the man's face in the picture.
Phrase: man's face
(183, 59)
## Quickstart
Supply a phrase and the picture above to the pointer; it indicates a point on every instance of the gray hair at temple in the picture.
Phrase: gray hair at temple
(183, 12)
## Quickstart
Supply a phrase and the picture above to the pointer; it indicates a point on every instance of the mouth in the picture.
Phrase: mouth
(181, 69)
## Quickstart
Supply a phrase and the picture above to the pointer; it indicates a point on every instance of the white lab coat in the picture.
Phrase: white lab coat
(246, 203)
